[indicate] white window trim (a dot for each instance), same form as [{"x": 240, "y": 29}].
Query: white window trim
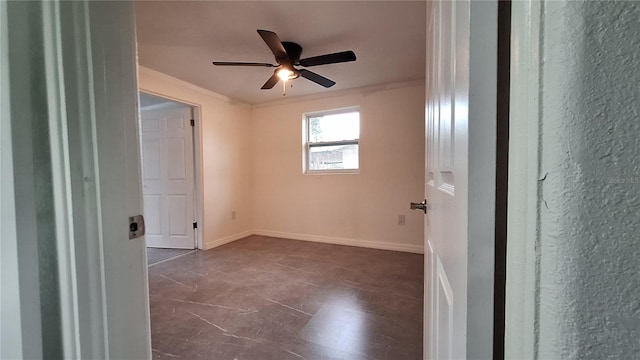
[{"x": 307, "y": 144}]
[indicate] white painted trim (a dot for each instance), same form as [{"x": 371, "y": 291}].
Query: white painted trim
[
  {"x": 61, "y": 180},
  {"x": 12, "y": 340},
  {"x": 416, "y": 249},
  {"x": 429, "y": 300},
  {"x": 481, "y": 187},
  {"x": 522, "y": 291},
  {"x": 83, "y": 151},
  {"x": 225, "y": 240},
  {"x": 96, "y": 267},
  {"x": 199, "y": 175},
  {"x": 21, "y": 113},
  {"x": 145, "y": 71}
]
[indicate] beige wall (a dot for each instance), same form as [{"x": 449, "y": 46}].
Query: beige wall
[
  {"x": 354, "y": 209},
  {"x": 226, "y": 155}
]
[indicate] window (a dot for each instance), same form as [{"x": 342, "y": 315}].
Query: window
[{"x": 332, "y": 141}]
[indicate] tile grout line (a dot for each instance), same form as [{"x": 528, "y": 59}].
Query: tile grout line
[{"x": 171, "y": 258}]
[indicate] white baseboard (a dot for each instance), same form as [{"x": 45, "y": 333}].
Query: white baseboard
[
  {"x": 225, "y": 240},
  {"x": 417, "y": 249}
]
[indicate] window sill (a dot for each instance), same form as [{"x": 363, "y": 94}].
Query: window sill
[{"x": 332, "y": 172}]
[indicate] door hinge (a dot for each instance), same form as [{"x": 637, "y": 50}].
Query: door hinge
[
  {"x": 193, "y": 122},
  {"x": 195, "y": 225}
]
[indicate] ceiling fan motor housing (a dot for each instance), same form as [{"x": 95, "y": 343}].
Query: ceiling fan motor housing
[{"x": 293, "y": 50}]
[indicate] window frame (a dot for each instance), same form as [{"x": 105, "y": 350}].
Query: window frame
[{"x": 308, "y": 144}]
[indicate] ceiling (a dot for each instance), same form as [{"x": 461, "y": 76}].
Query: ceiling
[{"x": 182, "y": 38}]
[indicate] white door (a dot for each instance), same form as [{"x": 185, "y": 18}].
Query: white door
[
  {"x": 168, "y": 179},
  {"x": 458, "y": 115}
]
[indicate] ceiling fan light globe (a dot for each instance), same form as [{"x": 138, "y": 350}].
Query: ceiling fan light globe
[{"x": 286, "y": 74}]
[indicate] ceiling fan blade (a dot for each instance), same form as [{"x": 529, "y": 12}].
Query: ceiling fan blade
[
  {"x": 234, "y": 63},
  {"x": 274, "y": 43},
  {"x": 273, "y": 80},
  {"x": 318, "y": 79},
  {"x": 339, "y": 57}
]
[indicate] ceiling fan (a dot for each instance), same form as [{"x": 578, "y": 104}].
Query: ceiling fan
[{"x": 288, "y": 56}]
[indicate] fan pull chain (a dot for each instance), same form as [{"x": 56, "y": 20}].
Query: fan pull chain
[{"x": 284, "y": 87}]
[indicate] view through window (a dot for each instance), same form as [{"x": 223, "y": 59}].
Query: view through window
[{"x": 333, "y": 141}]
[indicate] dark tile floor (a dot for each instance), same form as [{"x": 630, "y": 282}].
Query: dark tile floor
[
  {"x": 268, "y": 298},
  {"x": 156, "y": 255}
]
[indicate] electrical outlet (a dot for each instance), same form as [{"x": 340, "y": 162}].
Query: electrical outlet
[
  {"x": 233, "y": 215},
  {"x": 401, "y": 220}
]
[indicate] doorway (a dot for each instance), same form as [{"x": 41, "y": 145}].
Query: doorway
[{"x": 167, "y": 134}]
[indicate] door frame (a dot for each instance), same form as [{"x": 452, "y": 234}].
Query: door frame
[
  {"x": 197, "y": 160},
  {"x": 521, "y": 293}
]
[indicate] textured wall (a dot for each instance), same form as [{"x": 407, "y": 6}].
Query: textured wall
[{"x": 589, "y": 245}]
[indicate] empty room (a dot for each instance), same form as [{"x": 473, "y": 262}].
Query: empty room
[
  {"x": 319, "y": 179},
  {"x": 277, "y": 207}
]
